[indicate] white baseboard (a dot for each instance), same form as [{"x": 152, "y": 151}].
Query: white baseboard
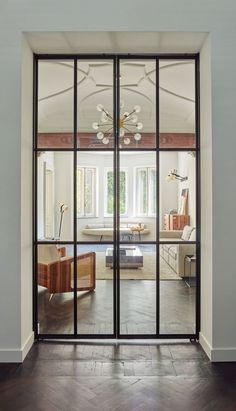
[
  {"x": 205, "y": 345},
  {"x": 17, "y": 354},
  {"x": 219, "y": 354}
]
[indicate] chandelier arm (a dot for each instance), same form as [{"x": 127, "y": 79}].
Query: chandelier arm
[
  {"x": 106, "y": 131},
  {"x": 130, "y": 114},
  {"x": 128, "y": 130},
  {"x": 105, "y": 124},
  {"x": 107, "y": 114},
  {"x": 130, "y": 124}
]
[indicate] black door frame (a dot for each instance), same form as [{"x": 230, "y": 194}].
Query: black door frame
[{"x": 116, "y": 58}]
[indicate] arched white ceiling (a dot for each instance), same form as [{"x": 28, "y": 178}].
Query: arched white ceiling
[{"x": 137, "y": 86}]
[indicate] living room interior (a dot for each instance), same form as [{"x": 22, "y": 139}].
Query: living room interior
[{"x": 156, "y": 199}]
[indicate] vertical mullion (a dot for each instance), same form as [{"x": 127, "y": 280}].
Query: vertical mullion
[
  {"x": 35, "y": 195},
  {"x": 75, "y": 196},
  {"x": 115, "y": 318},
  {"x": 157, "y": 202},
  {"x": 198, "y": 192},
  {"x": 117, "y": 128}
]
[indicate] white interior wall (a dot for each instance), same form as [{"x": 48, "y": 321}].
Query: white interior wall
[
  {"x": 168, "y": 190},
  {"x": 63, "y": 189},
  {"x": 46, "y": 158},
  {"x": 206, "y": 335},
  {"x": 187, "y": 167},
  {"x": 27, "y": 336}
]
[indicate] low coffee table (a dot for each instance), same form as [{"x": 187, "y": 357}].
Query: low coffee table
[{"x": 130, "y": 257}]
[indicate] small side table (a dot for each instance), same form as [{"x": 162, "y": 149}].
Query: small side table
[
  {"x": 191, "y": 260},
  {"x": 138, "y": 230}
]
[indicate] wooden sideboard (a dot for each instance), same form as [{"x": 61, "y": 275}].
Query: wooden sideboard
[{"x": 176, "y": 221}]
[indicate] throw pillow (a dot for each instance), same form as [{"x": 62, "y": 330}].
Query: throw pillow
[
  {"x": 186, "y": 233},
  {"x": 193, "y": 235}
]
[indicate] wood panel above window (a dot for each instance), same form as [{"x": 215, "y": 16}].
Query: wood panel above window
[{"x": 89, "y": 140}]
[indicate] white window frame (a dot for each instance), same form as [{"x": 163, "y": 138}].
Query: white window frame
[
  {"x": 94, "y": 212},
  {"x": 106, "y": 170},
  {"x": 149, "y": 212}
]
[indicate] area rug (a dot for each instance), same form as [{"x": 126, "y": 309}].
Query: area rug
[{"x": 147, "y": 272}]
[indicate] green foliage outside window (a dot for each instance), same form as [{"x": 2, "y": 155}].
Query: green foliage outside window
[{"x": 110, "y": 196}]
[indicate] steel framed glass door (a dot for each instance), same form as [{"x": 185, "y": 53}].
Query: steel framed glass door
[{"x": 116, "y": 204}]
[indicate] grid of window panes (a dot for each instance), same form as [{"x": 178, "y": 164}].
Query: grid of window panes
[{"x": 76, "y": 198}]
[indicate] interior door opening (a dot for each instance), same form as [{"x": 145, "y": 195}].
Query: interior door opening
[{"x": 116, "y": 196}]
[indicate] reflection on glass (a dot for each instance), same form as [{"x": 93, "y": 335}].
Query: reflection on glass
[
  {"x": 95, "y": 309},
  {"x": 95, "y": 104},
  {"x": 177, "y": 103},
  {"x": 177, "y": 192},
  {"x": 55, "y": 289},
  {"x": 177, "y": 288},
  {"x": 55, "y": 195},
  {"x": 55, "y": 103},
  {"x": 137, "y": 289},
  {"x": 137, "y": 104}
]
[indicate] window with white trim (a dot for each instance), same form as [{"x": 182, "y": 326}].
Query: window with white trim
[
  {"x": 109, "y": 192},
  {"x": 145, "y": 191},
  {"x": 87, "y": 191}
]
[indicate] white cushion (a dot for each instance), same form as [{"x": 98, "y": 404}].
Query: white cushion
[
  {"x": 48, "y": 253},
  {"x": 186, "y": 233},
  {"x": 193, "y": 235},
  {"x": 94, "y": 226}
]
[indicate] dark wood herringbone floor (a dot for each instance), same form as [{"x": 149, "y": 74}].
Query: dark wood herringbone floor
[{"x": 113, "y": 377}]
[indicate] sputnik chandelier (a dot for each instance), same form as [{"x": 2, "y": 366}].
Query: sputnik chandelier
[{"x": 128, "y": 125}]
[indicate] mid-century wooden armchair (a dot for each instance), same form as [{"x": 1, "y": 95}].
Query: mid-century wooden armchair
[{"x": 56, "y": 271}]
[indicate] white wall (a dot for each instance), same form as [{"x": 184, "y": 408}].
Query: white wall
[
  {"x": 168, "y": 190},
  {"x": 26, "y": 312},
  {"x": 63, "y": 166},
  {"x": 46, "y": 158},
  {"x": 216, "y": 17},
  {"x": 206, "y": 336},
  {"x": 187, "y": 167}
]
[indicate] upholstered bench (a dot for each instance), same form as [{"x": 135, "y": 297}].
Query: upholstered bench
[{"x": 106, "y": 230}]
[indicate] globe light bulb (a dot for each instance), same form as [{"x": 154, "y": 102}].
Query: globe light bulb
[
  {"x": 100, "y": 135},
  {"x": 95, "y": 126},
  {"x": 105, "y": 140},
  {"x": 134, "y": 119},
  {"x": 122, "y": 132},
  {"x": 137, "y": 136},
  {"x": 139, "y": 126},
  {"x": 126, "y": 140},
  {"x": 137, "y": 109},
  {"x": 100, "y": 107}
]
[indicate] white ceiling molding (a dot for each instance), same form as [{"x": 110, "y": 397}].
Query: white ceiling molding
[{"x": 137, "y": 86}]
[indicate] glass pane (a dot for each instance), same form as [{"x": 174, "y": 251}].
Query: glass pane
[
  {"x": 137, "y": 104},
  {"x": 177, "y": 193},
  {"x": 95, "y": 305},
  {"x": 137, "y": 289},
  {"x": 95, "y": 104},
  {"x": 55, "y": 103},
  {"x": 95, "y": 183},
  {"x": 55, "y": 195},
  {"x": 138, "y": 223},
  {"x": 177, "y": 103},
  {"x": 55, "y": 289},
  {"x": 177, "y": 288}
]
